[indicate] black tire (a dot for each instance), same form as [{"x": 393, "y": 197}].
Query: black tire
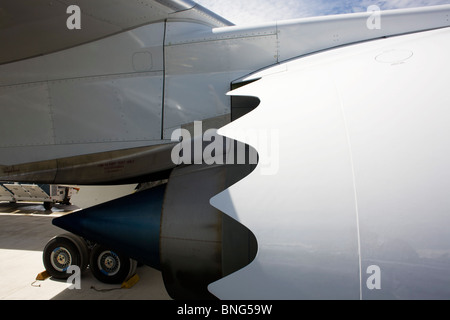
[
  {"x": 109, "y": 266},
  {"x": 48, "y": 205},
  {"x": 59, "y": 254},
  {"x": 82, "y": 247}
]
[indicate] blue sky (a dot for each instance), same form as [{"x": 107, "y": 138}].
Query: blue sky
[{"x": 256, "y": 11}]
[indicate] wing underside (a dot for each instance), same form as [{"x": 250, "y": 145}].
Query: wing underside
[{"x": 33, "y": 28}]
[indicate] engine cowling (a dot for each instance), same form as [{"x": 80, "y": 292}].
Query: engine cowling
[{"x": 173, "y": 228}]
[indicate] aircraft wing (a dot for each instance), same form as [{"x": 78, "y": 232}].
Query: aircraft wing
[
  {"x": 33, "y": 28},
  {"x": 353, "y": 156}
]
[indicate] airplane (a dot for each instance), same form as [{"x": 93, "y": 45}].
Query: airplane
[{"x": 297, "y": 159}]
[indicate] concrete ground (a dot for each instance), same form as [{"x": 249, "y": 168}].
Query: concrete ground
[{"x": 25, "y": 228}]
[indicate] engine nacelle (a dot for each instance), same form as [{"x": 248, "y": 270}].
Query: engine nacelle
[{"x": 173, "y": 228}]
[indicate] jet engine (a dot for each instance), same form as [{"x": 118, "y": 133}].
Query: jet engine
[{"x": 171, "y": 227}]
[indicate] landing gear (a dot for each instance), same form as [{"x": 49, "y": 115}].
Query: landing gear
[
  {"x": 108, "y": 266},
  {"x": 63, "y": 251},
  {"x": 68, "y": 249}
]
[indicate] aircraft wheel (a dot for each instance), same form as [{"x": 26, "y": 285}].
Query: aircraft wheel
[
  {"x": 63, "y": 251},
  {"x": 109, "y": 266}
]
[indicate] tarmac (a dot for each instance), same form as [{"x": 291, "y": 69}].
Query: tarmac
[{"x": 25, "y": 228}]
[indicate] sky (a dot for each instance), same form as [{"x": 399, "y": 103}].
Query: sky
[{"x": 242, "y": 12}]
